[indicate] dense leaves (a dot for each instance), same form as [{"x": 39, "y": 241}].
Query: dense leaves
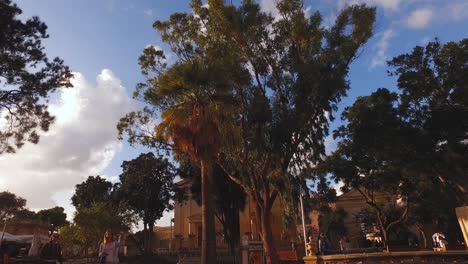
[
  {"x": 284, "y": 77},
  {"x": 27, "y": 78},
  {"x": 409, "y": 145},
  {"x": 93, "y": 190},
  {"x": 146, "y": 188}
]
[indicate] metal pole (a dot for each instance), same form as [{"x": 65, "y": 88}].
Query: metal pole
[
  {"x": 3, "y": 233},
  {"x": 303, "y": 223}
]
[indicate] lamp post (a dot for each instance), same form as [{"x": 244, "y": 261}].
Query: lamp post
[{"x": 303, "y": 222}]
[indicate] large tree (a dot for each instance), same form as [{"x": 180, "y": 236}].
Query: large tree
[
  {"x": 374, "y": 157},
  {"x": 193, "y": 100},
  {"x": 283, "y": 76},
  {"x": 27, "y": 78},
  {"x": 93, "y": 190},
  {"x": 10, "y": 204},
  {"x": 146, "y": 187},
  {"x": 299, "y": 74},
  {"x": 433, "y": 81}
]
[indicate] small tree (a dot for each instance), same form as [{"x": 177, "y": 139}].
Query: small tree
[
  {"x": 147, "y": 189},
  {"x": 27, "y": 78},
  {"x": 94, "y": 220}
]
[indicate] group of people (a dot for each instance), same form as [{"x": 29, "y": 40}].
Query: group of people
[{"x": 108, "y": 250}]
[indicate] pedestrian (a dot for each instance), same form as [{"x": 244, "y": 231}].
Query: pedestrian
[
  {"x": 109, "y": 249},
  {"x": 52, "y": 252},
  {"x": 324, "y": 244}
]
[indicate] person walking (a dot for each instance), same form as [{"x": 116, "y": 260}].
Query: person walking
[
  {"x": 109, "y": 249},
  {"x": 324, "y": 244}
]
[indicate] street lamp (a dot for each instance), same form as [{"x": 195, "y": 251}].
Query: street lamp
[{"x": 303, "y": 222}]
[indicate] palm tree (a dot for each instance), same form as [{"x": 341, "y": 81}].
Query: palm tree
[{"x": 195, "y": 121}]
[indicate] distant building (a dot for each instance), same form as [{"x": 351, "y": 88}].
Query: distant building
[{"x": 187, "y": 229}]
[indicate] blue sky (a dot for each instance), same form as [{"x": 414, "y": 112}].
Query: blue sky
[{"x": 102, "y": 40}]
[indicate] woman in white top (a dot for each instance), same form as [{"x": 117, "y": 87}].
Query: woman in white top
[{"x": 109, "y": 248}]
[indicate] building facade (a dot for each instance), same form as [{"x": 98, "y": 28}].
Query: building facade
[{"x": 187, "y": 228}]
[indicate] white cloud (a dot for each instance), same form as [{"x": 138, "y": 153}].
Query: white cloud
[
  {"x": 382, "y": 45},
  {"x": 419, "y": 18},
  {"x": 308, "y": 11},
  {"x": 388, "y": 4},
  {"x": 330, "y": 144},
  {"x": 455, "y": 11},
  {"x": 148, "y": 12},
  {"x": 425, "y": 40},
  {"x": 269, "y": 6},
  {"x": 81, "y": 142}
]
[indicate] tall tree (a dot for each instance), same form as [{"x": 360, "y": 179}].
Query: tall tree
[
  {"x": 193, "y": 98},
  {"x": 299, "y": 74},
  {"x": 434, "y": 101},
  {"x": 55, "y": 217},
  {"x": 93, "y": 190},
  {"x": 146, "y": 186},
  {"x": 27, "y": 78},
  {"x": 10, "y": 204},
  {"x": 283, "y": 76},
  {"x": 374, "y": 157},
  {"x": 400, "y": 146}
]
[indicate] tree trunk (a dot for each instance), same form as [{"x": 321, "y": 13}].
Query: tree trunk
[
  {"x": 150, "y": 238},
  {"x": 208, "y": 254},
  {"x": 267, "y": 238},
  {"x": 145, "y": 238}
]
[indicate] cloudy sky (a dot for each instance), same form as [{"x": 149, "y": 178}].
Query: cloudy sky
[{"x": 101, "y": 41}]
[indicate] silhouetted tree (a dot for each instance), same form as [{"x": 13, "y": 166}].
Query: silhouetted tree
[
  {"x": 27, "y": 78},
  {"x": 93, "y": 190},
  {"x": 10, "y": 204}
]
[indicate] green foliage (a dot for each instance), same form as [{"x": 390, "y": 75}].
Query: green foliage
[
  {"x": 72, "y": 240},
  {"x": 247, "y": 92},
  {"x": 407, "y": 145},
  {"x": 146, "y": 185},
  {"x": 93, "y": 221},
  {"x": 27, "y": 77},
  {"x": 146, "y": 189},
  {"x": 10, "y": 204},
  {"x": 93, "y": 190}
]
